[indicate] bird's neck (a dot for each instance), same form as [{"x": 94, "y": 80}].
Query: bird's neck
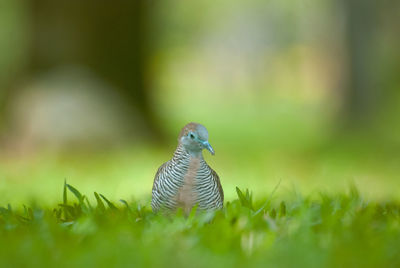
[{"x": 182, "y": 153}]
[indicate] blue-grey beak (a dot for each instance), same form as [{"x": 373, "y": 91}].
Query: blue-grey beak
[{"x": 207, "y": 145}]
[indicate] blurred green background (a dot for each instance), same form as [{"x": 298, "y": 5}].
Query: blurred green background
[{"x": 96, "y": 92}]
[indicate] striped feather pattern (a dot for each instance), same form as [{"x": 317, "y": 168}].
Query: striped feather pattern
[{"x": 175, "y": 186}]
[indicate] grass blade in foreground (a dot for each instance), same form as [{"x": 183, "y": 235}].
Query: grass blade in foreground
[{"x": 332, "y": 230}]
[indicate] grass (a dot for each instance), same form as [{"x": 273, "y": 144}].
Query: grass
[
  {"x": 127, "y": 172},
  {"x": 301, "y": 231}
]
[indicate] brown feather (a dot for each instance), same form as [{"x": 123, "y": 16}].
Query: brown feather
[
  {"x": 184, "y": 194},
  {"x": 186, "y": 197},
  {"x": 185, "y": 130}
]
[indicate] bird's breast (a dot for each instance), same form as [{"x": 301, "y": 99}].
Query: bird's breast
[{"x": 186, "y": 196}]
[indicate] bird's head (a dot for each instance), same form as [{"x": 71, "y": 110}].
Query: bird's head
[{"x": 194, "y": 137}]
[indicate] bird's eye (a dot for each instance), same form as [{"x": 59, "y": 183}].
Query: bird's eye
[{"x": 191, "y": 135}]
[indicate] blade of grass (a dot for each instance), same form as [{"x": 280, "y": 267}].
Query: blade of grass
[
  {"x": 75, "y": 192},
  {"x": 100, "y": 204},
  {"x": 245, "y": 200},
  {"x": 110, "y": 205},
  {"x": 65, "y": 192},
  {"x": 268, "y": 201},
  {"x": 125, "y": 203},
  {"x": 65, "y": 200}
]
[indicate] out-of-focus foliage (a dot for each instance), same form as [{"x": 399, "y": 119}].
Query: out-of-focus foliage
[
  {"x": 266, "y": 79},
  {"x": 304, "y": 93},
  {"x": 325, "y": 231},
  {"x": 283, "y": 66}
]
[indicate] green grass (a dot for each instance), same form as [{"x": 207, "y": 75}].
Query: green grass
[
  {"x": 129, "y": 172},
  {"x": 300, "y": 231}
]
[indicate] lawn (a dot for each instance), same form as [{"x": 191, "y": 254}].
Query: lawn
[
  {"x": 324, "y": 229},
  {"x": 314, "y": 201}
]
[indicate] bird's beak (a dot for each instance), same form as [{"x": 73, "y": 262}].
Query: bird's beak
[{"x": 207, "y": 145}]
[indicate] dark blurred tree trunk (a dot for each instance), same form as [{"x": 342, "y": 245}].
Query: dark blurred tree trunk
[
  {"x": 361, "y": 83},
  {"x": 109, "y": 37}
]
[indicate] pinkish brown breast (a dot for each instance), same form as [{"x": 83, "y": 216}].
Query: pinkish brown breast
[{"x": 186, "y": 196}]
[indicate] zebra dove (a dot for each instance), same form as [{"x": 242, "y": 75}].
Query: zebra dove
[{"x": 186, "y": 180}]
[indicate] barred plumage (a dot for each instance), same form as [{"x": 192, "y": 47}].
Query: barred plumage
[{"x": 186, "y": 179}]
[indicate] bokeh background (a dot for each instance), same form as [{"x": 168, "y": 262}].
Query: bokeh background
[{"x": 301, "y": 92}]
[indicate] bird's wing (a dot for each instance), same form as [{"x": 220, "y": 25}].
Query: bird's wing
[
  {"x": 218, "y": 182},
  {"x": 157, "y": 197},
  {"x": 157, "y": 176}
]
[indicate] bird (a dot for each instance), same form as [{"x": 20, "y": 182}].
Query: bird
[{"x": 187, "y": 180}]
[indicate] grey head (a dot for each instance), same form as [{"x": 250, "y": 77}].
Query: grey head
[{"x": 194, "y": 138}]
